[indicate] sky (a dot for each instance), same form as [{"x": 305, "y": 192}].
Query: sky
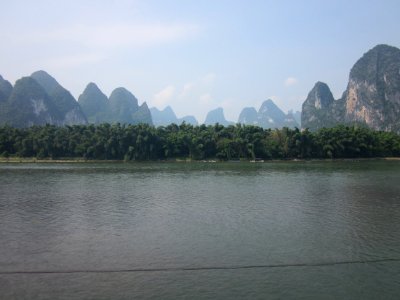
[{"x": 195, "y": 55}]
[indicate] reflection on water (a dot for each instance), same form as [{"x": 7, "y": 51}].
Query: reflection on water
[{"x": 56, "y": 217}]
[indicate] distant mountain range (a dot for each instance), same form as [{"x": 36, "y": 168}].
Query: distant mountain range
[
  {"x": 167, "y": 116},
  {"x": 39, "y": 99},
  {"x": 268, "y": 116},
  {"x": 372, "y": 97},
  {"x": 217, "y": 116},
  {"x": 122, "y": 106}
]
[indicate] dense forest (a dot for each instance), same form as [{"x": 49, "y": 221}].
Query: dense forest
[{"x": 145, "y": 142}]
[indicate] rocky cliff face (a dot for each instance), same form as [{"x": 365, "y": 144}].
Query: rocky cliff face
[
  {"x": 69, "y": 109},
  {"x": 317, "y": 109},
  {"x": 373, "y": 93},
  {"x": 29, "y": 105},
  {"x": 372, "y": 96}
]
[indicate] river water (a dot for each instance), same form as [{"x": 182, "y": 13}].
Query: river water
[{"x": 274, "y": 230}]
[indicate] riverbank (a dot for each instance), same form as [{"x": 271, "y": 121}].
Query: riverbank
[{"x": 178, "y": 160}]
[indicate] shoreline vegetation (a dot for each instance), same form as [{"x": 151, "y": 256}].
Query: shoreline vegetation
[{"x": 188, "y": 143}]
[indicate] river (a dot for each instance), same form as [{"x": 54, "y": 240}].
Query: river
[{"x": 273, "y": 230}]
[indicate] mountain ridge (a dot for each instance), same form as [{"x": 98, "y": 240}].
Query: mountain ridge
[
  {"x": 66, "y": 104},
  {"x": 269, "y": 115},
  {"x": 167, "y": 116},
  {"x": 372, "y": 96}
]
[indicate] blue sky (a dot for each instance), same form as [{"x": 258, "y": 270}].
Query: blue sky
[{"x": 195, "y": 55}]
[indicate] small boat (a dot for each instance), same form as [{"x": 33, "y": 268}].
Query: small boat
[{"x": 257, "y": 160}]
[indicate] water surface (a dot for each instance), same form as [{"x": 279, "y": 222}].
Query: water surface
[{"x": 291, "y": 230}]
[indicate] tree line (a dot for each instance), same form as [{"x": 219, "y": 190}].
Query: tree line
[{"x": 145, "y": 142}]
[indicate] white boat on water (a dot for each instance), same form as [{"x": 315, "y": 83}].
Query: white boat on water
[{"x": 257, "y": 161}]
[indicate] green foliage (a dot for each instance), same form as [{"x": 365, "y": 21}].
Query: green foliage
[{"x": 145, "y": 142}]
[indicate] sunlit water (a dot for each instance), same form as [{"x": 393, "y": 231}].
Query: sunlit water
[{"x": 185, "y": 230}]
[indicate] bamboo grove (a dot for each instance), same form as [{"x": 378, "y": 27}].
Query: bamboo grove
[{"x": 144, "y": 142}]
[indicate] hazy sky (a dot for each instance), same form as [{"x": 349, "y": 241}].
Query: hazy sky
[{"x": 195, "y": 55}]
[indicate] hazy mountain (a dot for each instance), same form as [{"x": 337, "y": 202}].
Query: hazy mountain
[
  {"x": 372, "y": 96},
  {"x": 5, "y": 89},
  {"x": 123, "y": 105},
  {"x": 95, "y": 104},
  {"x": 248, "y": 116},
  {"x": 217, "y": 116},
  {"x": 189, "y": 120},
  {"x": 5, "y": 92},
  {"x": 290, "y": 121},
  {"x": 163, "y": 117},
  {"x": 69, "y": 109},
  {"x": 142, "y": 115},
  {"x": 268, "y": 116},
  {"x": 167, "y": 116},
  {"x": 296, "y": 116}
]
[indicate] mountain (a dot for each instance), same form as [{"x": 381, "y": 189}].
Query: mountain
[
  {"x": 217, "y": 116},
  {"x": 290, "y": 121},
  {"x": 28, "y": 105},
  {"x": 248, "y": 116},
  {"x": 373, "y": 93},
  {"x": 296, "y": 115},
  {"x": 122, "y": 107},
  {"x": 94, "y": 104},
  {"x": 163, "y": 117},
  {"x": 142, "y": 115},
  {"x": 268, "y": 116},
  {"x": 372, "y": 97},
  {"x": 5, "y": 89},
  {"x": 40, "y": 99},
  {"x": 167, "y": 116},
  {"x": 69, "y": 109},
  {"x": 188, "y": 120},
  {"x": 317, "y": 109},
  {"x": 123, "y": 104}
]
